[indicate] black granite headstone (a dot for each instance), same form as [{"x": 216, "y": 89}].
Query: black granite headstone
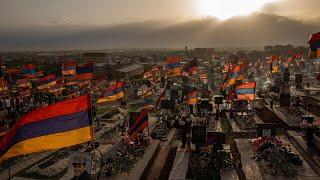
[
  {"x": 266, "y": 130},
  {"x": 216, "y": 137},
  {"x": 199, "y": 135},
  {"x": 285, "y": 100},
  {"x": 218, "y": 99}
]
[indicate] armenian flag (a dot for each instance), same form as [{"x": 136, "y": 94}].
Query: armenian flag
[
  {"x": 172, "y": 62},
  {"x": 140, "y": 123},
  {"x": 173, "y": 66},
  {"x": 192, "y": 97},
  {"x": 28, "y": 70},
  {"x": 3, "y": 85},
  {"x": 58, "y": 88},
  {"x": 234, "y": 75},
  {"x": 47, "y": 82},
  {"x": 85, "y": 72},
  {"x": 69, "y": 68},
  {"x": 23, "y": 83},
  {"x": 113, "y": 93},
  {"x": 59, "y": 125},
  {"x": 161, "y": 97},
  {"x": 246, "y": 91},
  {"x": 13, "y": 71},
  {"x": 70, "y": 80},
  {"x": 192, "y": 66}
]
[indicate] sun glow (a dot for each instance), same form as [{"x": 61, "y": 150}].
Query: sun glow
[{"x": 224, "y": 9}]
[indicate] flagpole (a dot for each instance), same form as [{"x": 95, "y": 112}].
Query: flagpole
[
  {"x": 148, "y": 127},
  {"x": 92, "y": 120}
]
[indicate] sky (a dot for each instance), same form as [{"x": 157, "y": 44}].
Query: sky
[{"x": 99, "y": 24}]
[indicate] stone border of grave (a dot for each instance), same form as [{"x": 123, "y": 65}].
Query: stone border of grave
[
  {"x": 250, "y": 169},
  {"x": 141, "y": 167}
]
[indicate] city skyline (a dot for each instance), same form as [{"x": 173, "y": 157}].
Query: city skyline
[{"x": 45, "y": 25}]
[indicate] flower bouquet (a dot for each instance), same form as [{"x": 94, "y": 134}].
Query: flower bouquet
[
  {"x": 310, "y": 127},
  {"x": 306, "y": 125},
  {"x": 274, "y": 158}
]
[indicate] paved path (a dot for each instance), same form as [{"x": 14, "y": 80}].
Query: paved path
[{"x": 180, "y": 166}]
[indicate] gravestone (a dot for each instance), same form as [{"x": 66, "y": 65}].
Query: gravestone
[
  {"x": 216, "y": 137},
  {"x": 298, "y": 81},
  {"x": 167, "y": 104},
  {"x": 285, "y": 100},
  {"x": 266, "y": 130},
  {"x": 218, "y": 99},
  {"x": 199, "y": 135}
]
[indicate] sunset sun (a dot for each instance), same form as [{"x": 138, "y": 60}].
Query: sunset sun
[{"x": 229, "y": 8}]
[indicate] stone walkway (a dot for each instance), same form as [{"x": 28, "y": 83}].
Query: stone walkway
[{"x": 180, "y": 166}]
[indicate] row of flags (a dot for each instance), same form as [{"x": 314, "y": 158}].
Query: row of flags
[{"x": 72, "y": 74}]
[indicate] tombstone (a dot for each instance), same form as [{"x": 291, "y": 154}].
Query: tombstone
[
  {"x": 216, "y": 137},
  {"x": 309, "y": 118},
  {"x": 204, "y": 106},
  {"x": 298, "y": 81},
  {"x": 266, "y": 130},
  {"x": 285, "y": 100},
  {"x": 286, "y": 76},
  {"x": 199, "y": 135},
  {"x": 218, "y": 99},
  {"x": 167, "y": 104}
]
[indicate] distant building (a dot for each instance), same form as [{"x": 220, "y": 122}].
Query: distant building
[
  {"x": 203, "y": 52},
  {"x": 131, "y": 71},
  {"x": 278, "y": 48},
  {"x": 268, "y": 48},
  {"x": 97, "y": 57}
]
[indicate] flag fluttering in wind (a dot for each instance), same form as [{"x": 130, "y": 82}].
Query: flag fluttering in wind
[
  {"x": 192, "y": 66},
  {"x": 160, "y": 98},
  {"x": 114, "y": 92},
  {"x": 153, "y": 75},
  {"x": 173, "y": 66},
  {"x": 24, "y": 83},
  {"x": 246, "y": 91},
  {"x": 314, "y": 42},
  {"x": 3, "y": 85},
  {"x": 234, "y": 75},
  {"x": 140, "y": 123},
  {"x": 59, "y": 125},
  {"x": 192, "y": 97},
  {"x": 28, "y": 70},
  {"x": 69, "y": 68},
  {"x": 85, "y": 72},
  {"x": 47, "y": 82}
]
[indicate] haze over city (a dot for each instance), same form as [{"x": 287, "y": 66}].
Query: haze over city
[{"x": 80, "y": 24}]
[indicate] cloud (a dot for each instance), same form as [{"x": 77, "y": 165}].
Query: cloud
[
  {"x": 255, "y": 30},
  {"x": 299, "y": 9}
]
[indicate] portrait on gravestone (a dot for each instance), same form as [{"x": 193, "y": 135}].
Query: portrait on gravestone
[{"x": 80, "y": 165}]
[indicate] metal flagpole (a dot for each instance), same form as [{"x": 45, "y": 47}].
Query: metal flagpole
[{"x": 92, "y": 130}]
